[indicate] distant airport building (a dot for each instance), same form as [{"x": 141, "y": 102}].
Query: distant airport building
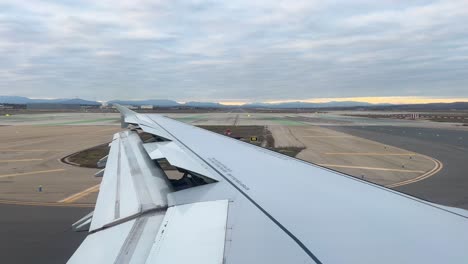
[
  {"x": 48, "y": 106},
  {"x": 12, "y": 106},
  {"x": 58, "y": 106}
]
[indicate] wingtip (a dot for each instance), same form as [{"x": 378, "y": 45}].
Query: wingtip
[
  {"x": 124, "y": 110},
  {"x": 126, "y": 115}
]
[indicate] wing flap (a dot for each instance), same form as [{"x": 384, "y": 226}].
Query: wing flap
[
  {"x": 188, "y": 228},
  {"x": 172, "y": 150},
  {"x": 180, "y": 158},
  {"x": 159, "y": 237},
  {"x": 102, "y": 247},
  {"x": 153, "y": 150},
  {"x": 132, "y": 183}
]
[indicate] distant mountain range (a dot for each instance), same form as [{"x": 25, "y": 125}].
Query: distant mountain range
[
  {"x": 288, "y": 105},
  {"x": 307, "y": 105},
  {"x": 165, "y": 103},
  {"x": 170, "y": 103},
  {"x": 25, "y": 100},
  {"x": 155, "y": 102}
]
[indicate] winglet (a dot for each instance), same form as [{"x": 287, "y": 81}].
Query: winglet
[{"x": 127, "y": 116}]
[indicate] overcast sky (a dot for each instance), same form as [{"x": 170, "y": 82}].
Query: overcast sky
[{"x": 233, "y": 50}]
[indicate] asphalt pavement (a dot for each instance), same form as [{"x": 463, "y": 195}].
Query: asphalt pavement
[
  {"x": 447, "y": 187},
  {"x": 39, "y": 234}
]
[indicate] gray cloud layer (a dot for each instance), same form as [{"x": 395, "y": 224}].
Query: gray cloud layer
[{"x": 240, "y": 50}]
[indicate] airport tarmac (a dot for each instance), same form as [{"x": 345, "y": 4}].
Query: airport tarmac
[
  {"x": 32, "y": 150},
  {"x": 30, "y": 161},
  {"x": 32, "y": 147},
  {"x": 299, "y": 119},
  {"x": 449, "y": 186},
  {"x": 39, "y": 234},
  {"x": 61, "y": 119},
  {"x": 336, "y": 118},
  {"x": 369, "y": 160},
  {"x": 37, "y": 225}
]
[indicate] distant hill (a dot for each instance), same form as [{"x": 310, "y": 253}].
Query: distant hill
[
  {"x": 204, "y": 104},
  {"x": 306, "y": 105},
  {"x": 26, "y": 100},
  {"x": 154, "y": 102},
  {"x": 74, "y": 101},
  {"x": 165, "y": 103},
  {"x": 14, "y": 100}
]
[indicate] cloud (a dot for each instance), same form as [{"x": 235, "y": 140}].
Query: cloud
[
  {"x": 423, "y": 16},
  {"x": 239, "y": 50},
  {"x": 209, "y": 62},
  {"x": 107, "y": 53}
]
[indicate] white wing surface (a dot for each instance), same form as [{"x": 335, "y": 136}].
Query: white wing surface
[{"x": 243, "y": 204}]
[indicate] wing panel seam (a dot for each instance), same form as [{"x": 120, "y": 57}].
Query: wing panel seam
[{"x": 117, "y": 193}]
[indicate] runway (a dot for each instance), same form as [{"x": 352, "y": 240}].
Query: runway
[{"x": 449, "y": 186}]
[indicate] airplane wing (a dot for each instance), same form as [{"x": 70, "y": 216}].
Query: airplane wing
[{"x": 238, "y": 203}]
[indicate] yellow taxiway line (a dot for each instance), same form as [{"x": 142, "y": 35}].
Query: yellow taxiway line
[
  {"x": 368, "y": 168},
  {"x": 76, "y": 196},
  {"x": 370, "y": 154},
  {"x": 437, "y": 167},
  {"x": 326, "y": 136},
  {"x": 30, "y": 173},
  {"x": 32, "y": 203},
  {"x": 19, "y": 160},
  {"x": 29, "y": 150}
]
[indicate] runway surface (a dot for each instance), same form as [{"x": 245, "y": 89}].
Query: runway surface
[
  {"x": 38, "y": 234},
  {"x": 447, "y": 187}
]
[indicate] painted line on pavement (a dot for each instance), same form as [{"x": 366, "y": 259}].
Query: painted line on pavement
[
  {"x": 80, "y": 195},
  {"x": 368, "y": 168},
  {"x": 327, "y": 136},
  {"x": 19, "y": 160},
  {"x": 438, "y": 166},
  {"x": 370, "y": 154},
  {"x": 32, "y": 203},
  {"x": 30, "y": 173},
  {"x": 29, "y": 150}
]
